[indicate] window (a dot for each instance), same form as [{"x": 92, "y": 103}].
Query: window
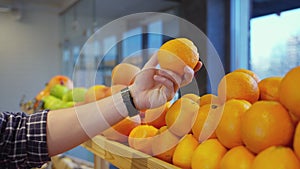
[
  {"x": 155, "y": 39},
  {"x": 110, "y": 51},
  {"x": 275, "y": 43},
  {"x": 107, "y": 60},
  {"x": 132, "y": 42}
]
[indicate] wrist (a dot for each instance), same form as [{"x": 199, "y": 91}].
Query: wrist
[
  {"x": 119, "y": 104},
  {"x": 128, "y": 100},
  {"x": 133, "y": 96}
]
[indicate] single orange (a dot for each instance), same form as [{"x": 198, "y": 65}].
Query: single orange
[
  {"x": 249, "y": 72},
  {"x": 237, "y": 158},
  {"x": 238, "y": 85},
  {"x": 184, "y": 150},
  {"x": 164, "y": 144},
  {"x": 141, "y": 138},
  {"x": 55, "y": 80},
  {"x": 276, "y": 157},
  {"x": 42, "y": 94},
  {"x": 208, "y": 154},
  {"x": 59, "y": 79},
  {"x": 192, "y": 96},
  {"x": 265, "y": 124},
  {"x": 296, "y": 143},
  {"x": 269, "y": 87},
  {"x": 209, "y": 99},
  {"x": 156, "y": 116},
  {"x": 181, "y": 116},
  {"x": 123, "y": 74},
  {"x": 120, "y": 131},
  {"x": 229, "y": 129},
  {"x": 175, "y": 54},
  {"x": 202, "y": 122},
  {"x": 289, "y": 93},
  {"x": 96, "y": 92}
]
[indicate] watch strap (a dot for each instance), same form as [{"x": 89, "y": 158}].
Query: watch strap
[{"x": 128, "y": 101}]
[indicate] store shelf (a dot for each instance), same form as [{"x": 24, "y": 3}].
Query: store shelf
[{"x": 122, "y": 156}]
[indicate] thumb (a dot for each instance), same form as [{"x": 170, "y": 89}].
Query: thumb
[
  {"x": 187, "y": 76},
  {"x": 152, "y": 62}
]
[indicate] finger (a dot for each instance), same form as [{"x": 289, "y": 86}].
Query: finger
[
  {"x": 153, "y": 62},
  {"x": 144, "y": 79},
  {"x": 198, "y": 66},
  {"x": 169, "y": 93},
  {"x": 171, "y": 76},
  {"x": 188, "y": 76},
  {"x": 157, "y": 98},
  {"x": 164, "y": 81}
]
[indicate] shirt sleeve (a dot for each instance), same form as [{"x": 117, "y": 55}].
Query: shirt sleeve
[{"x": 23, "y": 141}]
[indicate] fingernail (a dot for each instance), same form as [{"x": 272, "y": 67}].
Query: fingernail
[{"x": 187, "y": 69}]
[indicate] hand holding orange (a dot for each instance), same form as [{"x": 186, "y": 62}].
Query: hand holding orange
[{"x": 177, "y": 53}]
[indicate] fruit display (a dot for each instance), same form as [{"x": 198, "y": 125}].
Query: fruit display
[
  {"x": 60, "y": 93},
  {"x": 250, "y": 123},
  {"x": 256, "y": 129},
  {"x": 50, "y": 97}
]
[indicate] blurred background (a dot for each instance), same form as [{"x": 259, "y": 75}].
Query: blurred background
[{"x": 43, "y": 38}]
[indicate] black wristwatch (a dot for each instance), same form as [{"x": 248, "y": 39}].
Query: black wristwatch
[{"x": 128, "y": 101}]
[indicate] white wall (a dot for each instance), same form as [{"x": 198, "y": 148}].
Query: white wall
[{"x": 29, "y": 54}]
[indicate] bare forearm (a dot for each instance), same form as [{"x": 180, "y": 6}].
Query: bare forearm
[{"x": 68, "y": 128}]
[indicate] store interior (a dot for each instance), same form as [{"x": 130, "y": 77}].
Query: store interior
[{"x": 41, "y": 39}]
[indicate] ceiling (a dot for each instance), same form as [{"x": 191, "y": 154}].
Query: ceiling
[
  {"x": 52, "y": 3},
  {"x": 109, "y": 8},
  {"x": 265, "y": 7},
  {"x": 117, "y": 8}
]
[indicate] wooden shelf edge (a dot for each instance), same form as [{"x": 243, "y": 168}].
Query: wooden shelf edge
[{"x": 122, "y": 156}]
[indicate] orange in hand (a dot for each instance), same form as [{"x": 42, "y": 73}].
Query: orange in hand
[{"x": 175, "y": 54}]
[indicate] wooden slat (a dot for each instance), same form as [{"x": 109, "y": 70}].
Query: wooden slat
[{"x": 122, "y": 156}]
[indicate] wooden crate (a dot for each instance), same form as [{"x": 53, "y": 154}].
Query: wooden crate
[{"x": 122, "y": 156}]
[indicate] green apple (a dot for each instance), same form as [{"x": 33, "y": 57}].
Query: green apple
[
  {"x": 68, "y": 104},
  {"x": 57, "y": 105},
  {"x": 49, "y": 101},
  {"x": 76, "y": 94},
  {"x": 58, "y": 91}
]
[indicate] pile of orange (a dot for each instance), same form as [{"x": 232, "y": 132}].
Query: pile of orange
[{"x": 249, "y": 123}]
